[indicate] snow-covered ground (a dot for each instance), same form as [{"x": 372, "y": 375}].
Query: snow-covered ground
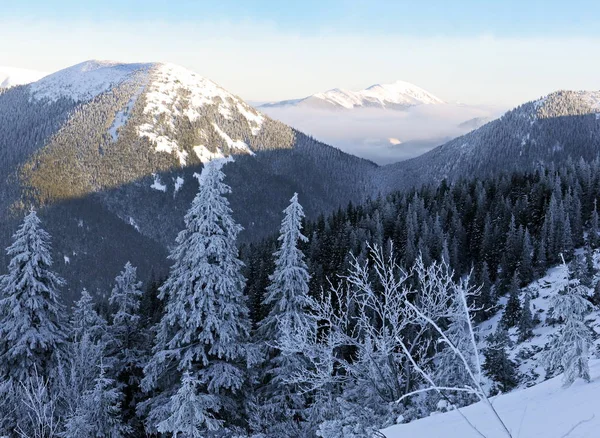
[
  {"x": 546, "y": 410},
  {"x": 539, "y": 407},
  {"x": 83, "y": 82}
]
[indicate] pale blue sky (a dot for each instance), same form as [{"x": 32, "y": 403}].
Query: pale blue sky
[{"x": 496, "y": 52}]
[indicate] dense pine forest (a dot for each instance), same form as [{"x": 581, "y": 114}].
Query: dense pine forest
[{"x": 333, "y": 328}]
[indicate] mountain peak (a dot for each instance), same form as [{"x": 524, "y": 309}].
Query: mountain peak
[
  {"x": 86, "y": 80},
  {"x": 396, "y": 95}
]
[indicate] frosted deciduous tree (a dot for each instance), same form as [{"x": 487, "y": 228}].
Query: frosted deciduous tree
[
  {"x": 30, "y": 313},
  {"x": 205, "y": 326}
]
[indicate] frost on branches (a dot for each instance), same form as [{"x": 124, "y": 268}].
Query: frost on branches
[
  {"x": 569, "y": 349},
  {"x": 205, "y": 326},
  {"x": 281, "y": 405},
  {"x": 391, "y": 320},
  {"x": 31, "y": 332}
]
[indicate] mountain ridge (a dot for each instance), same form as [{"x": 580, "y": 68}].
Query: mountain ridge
[{"x": 395, "y": 95}]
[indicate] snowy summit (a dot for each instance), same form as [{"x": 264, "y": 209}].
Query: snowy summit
[{"x": 397, "y": 95}]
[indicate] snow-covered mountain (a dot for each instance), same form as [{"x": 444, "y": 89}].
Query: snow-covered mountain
[
  {"x": 125, "y": 141},
  {"x": 397, "y": 95},
  {"x": 11, "y": 76},
  {"x": 552, "y": 129}
]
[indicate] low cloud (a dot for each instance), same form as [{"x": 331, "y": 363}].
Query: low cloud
[{"x": 384, "y": 136}]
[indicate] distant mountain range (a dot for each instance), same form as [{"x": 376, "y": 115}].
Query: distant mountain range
[
  {"x": 108, "y": 152},
  {"x": 398, "y": 95},
  {"x": 11, "y": 76}
]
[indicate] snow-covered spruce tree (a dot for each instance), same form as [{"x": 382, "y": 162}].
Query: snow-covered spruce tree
[
  {"x": 190, "y": 412},
  {"x": 593, "y": 237},
  {"x": 569, "y": 348},
  {"x": 99, "y": 412},
  {"x": 281, "y": 403},
  {"x": 450, "y": 371},
  {"x": 204, "y": 329},
  {"x": 525, "y": 325},
  {"x": 497, "y": 364},
  {"x": 78, "y": 366},
  {"x": 512, "y": 310},
  {"x": 128, "y": 341},
  {"x": 30, "y": 314},
  {"x": 588, "y": 267},
  {"x": 86, "y": 321}
]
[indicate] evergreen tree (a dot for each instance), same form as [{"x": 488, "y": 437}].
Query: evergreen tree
[
  {"x": 450, "y": 370},
  {"x": 589, "y": 270},
  {"x": 205, "y": 326},
  {"x": 569, "y": 349},
  {"x": 30, "y": 313},
  {"x": 486, "y": 301},
  {"x": 124, "y": 329},
  {"x": 526, "y": 319},
  {"x": 99, "y": 414},
  {"x": 86, "y": 321},
  {"x": 128, "y": 341},
  {"x": 287, "y": 299},
  {"x": 526, "y": 269},
  {"x": 596, "y": 295},
  {"x": 190, "y": 412},
  {"x": 512, "y": 311},
  {"x": 594, "y": 238},
  {"x": 497, "y": 364}
]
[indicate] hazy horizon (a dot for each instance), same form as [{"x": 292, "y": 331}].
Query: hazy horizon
[{"x": 464, "y": 51}]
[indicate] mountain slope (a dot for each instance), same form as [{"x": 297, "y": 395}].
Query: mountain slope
[
  {"x": 11, "y": 76},
  {"x": 539, "y": 407},
  {"x": 124, "y": 140},
  {"x": 397, "y": 95},
  {"x": 563, "y": 125},
  {"x": 546, "y": 410}
]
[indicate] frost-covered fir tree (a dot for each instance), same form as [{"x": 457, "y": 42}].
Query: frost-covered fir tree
[
  {"x": 99, "y": 413},
  {"x": 128, "y": 340},
  {"x": 31, "y": 332},
  {"x": 190, "y": 412},
  {"x": 287, "y": 299},
  {"x": 526, "y": 324},
  {"x": 125, "y": 325},
  {"x": 83, "y": 356},
  {"x": 205, "y": 326},
  {"x": 86, "y": 321},
  {"x": 569, "y": 348},
  {"x": 450, "y": 370},
  {"x": 593, "y": 237}
]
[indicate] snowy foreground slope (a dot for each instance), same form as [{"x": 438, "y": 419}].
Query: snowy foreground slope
[
  {"x": 539, "y": 407},
  {"x": 546, "y": 410}
]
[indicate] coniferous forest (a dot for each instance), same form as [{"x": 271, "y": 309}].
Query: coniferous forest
[{"x": 336, "y": 327}]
